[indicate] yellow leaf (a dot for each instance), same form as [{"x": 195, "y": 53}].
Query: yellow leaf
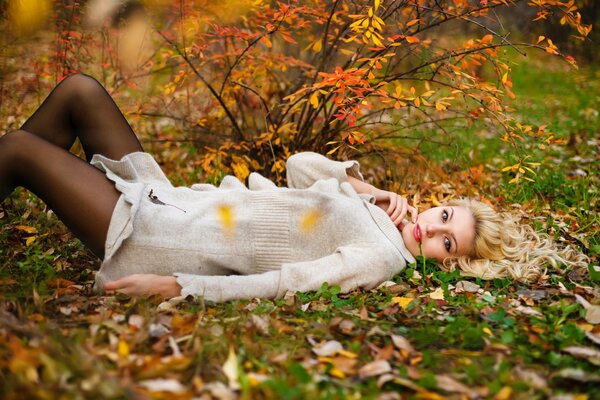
[
  {"x": 25, "y": 228},
  {"x": 123, "y": 349},
  {"x": 403, "y": 302},
  {"x": 347, "y": 353},
  {"x": 487, "y": 330},
  {"x": 330, "y": 152},
  {"x": 540, "y": 38},
  {"x": 505, "y": 78},
  {"x": 225, "y": 214},
  {"x": 438, "y": 294},
  {"x": 314, "y": 99},
  {"x": 434, "y": 200},
  {"x": 377, "y": 4},
  {"x": 504, "y": 393},
  {"x": 337, "y": 373},
  {"x": 317, "y": 46},
  {"x": 30, "y": 240},
  {"x": 309, "y": 220}
]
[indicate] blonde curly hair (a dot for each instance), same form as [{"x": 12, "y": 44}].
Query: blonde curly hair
[{"x": 505, "y": 248}]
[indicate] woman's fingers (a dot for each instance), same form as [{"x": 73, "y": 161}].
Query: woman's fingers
[
  {"x": 413, "y": 213},
  {"x": 400, "y": 212},
  {"x": 393, "y": 198}
]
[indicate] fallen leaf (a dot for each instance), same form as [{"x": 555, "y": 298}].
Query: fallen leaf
[
  {"x": 328, "y": 348},
  {"x": 402, "y": 343},
  {"x": 163, "y": 385},
  {"x": 231, "y": 370},
  {"x": 261, "y": 323},
  {"x": 590, "y": 354},
  {"x": 123, "y": 349},
  {"x": 592, "y": 311},
  {"x": 531, "y": 378},
  {"x": 577, "y": 375},
  {"x": 438, "y": 294},
  {"x": 504, "y": 393},
  {"x": 374, "y": 368},
  {"x": 28, "y": 229},
  {"x": 402, "y": 301},
  {"x": 466, "y": 286},
  {"x": 593, "y": 337},
  {"x": 451, "y": 385}
]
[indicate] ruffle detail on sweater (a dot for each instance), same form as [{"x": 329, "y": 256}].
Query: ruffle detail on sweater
[{"x": 130, "y": 174}]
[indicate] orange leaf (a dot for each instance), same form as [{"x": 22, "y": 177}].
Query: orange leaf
[
  {"x": 487, "y": 39},
  {"x": 25, "y": 228},
  {"x": 412, "y": 39}
]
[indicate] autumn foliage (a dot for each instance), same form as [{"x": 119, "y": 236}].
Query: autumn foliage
[{"x": 249, "y": 83}]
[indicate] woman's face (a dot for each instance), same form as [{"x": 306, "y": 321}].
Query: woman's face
[{"x": 447, "y": 231}]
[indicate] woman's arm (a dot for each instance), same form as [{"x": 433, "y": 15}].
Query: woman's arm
[
  {"x": 392, "y": 203},
  {"x": 350, "y": 267}
]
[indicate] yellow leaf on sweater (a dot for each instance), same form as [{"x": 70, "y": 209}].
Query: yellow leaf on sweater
[
  {"x": 226, "y": 218},
  {"x": 310, "y": 220}
]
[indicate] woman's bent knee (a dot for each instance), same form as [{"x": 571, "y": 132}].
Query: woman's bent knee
[{"x": 81, "y": 87}]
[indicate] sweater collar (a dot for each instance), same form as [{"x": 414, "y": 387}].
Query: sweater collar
[{"x": 386, "y": 225}]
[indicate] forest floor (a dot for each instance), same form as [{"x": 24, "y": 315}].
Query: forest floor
[{"x": 425, "y": 335}]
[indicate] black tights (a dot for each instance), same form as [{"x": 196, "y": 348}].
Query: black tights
[{"x": 37, "y": 156}]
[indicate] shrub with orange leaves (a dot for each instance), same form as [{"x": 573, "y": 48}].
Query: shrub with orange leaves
[{"x": 256, "y": 81}]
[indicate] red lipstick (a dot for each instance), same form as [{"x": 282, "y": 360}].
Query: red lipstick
[{"x": 417, "y": 233}]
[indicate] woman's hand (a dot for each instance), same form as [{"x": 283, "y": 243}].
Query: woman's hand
[
  {"x": 392, "y": 203},
  {"x": 145, "y": 285},
  {"x": 395, "y": 206}
]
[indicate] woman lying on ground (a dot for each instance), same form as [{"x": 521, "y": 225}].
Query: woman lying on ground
[{"x": 236, "y": 242}]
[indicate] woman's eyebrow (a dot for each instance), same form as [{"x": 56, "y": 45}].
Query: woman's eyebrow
[{"x": 452, "y": 234}]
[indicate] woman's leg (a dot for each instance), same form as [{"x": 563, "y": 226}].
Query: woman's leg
[
  {"x": 79, "y": 107},
  {"x": 80, "y": 194}
]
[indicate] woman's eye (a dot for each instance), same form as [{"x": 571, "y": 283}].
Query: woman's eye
[
  {"x": 444, "y": 215},
  {"x": 447, "y": 244}
]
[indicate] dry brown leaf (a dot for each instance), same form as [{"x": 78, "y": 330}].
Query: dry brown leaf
[
  {"x": 231, "y": 370},
  {"x": 328, "y": 348},
  {"x": 466, "y": 286},
  {"x": 531, "y": 378},
  {"x": 576, "y": 375},
  {"x": 374, "y": 368},
  {"x": 590, "y": 354},
  {"x": 163, "y": 385},
  {"x": 451, "y": 385},
  {"x": 592, "y": 311},
  {"x": 402, "y": 343},
  {"x": 593, "y": 337},
  {"x": 261, "y": 323}
]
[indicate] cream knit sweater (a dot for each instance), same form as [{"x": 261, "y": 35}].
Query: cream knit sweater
[{"x": 234, "y": 242}]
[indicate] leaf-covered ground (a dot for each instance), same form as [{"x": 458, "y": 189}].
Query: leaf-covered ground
[{"x": 426, "y": 335}]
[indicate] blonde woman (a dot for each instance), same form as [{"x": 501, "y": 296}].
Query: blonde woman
[{"x": 235, "y": 241}]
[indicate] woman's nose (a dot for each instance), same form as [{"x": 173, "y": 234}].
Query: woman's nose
[{"x": 432, "y": 229}]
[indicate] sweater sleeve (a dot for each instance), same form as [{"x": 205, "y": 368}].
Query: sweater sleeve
[
  {"x": 349, "y": 267},
  {"x": 304, "y": 169}
]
